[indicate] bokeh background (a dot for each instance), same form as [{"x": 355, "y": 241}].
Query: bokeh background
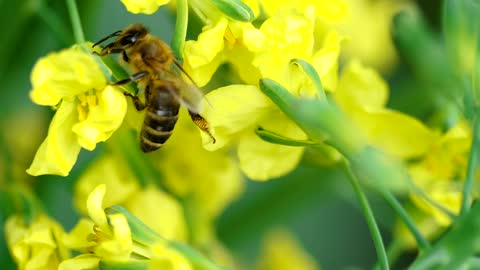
[{"x": 318, "y": 205}]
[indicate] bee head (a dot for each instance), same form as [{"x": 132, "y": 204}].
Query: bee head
[{"x": 132, "y": 34}]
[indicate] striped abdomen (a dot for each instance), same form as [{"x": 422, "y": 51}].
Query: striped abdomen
[{"x": 160, "y": 118}]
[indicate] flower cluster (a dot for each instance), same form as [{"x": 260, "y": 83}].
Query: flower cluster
[{"x": 286, "y": 83}]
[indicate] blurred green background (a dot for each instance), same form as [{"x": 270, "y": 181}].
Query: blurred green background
[{"x": 318, "y": 205}]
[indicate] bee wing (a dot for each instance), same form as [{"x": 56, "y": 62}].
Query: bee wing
[{"x": 188, "y": 95}]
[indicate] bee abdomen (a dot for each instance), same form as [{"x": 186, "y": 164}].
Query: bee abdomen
[{"x": 157, "y": 128}]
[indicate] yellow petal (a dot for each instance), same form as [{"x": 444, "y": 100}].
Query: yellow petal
[
  {"x": 58, "y": 153},
  {"x": 396, "y": 133},
  {"x": 111, "y": 171},
  {"x": 448, "y": 195},
  {"x": 233, "y": 109},
  {"x": 120, "y": 246},
  {"x": 95, "y": 209},
  {"x": 361, "y": 87},
  {"x": 327, "y": 10},
  {"x": 159, "y": 211},
  {"x": 65, "y": 74},
  {"x": 243, "y": 41},
  {"x": 143, "y": 6},
  {"x": 83, "y": 262},
  {"x": 262, "y": 160},
  {"x": 326, "y": 61},
  {"x": 78, "y": 237},
  {"x": 331, "y": 10},
  {"x": 288, "y": 35},
  {"x": 281, "y": 251},
  {"x": 36, "y": 245},
  {"x": 368, "y": 26},
  {"x": 168, "y": 259},
  {"x": 103, "y": 118},
  {"x": 201, "y": 57}
]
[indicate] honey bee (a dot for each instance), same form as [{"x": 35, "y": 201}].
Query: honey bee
[{"x": 154, "y": 67}]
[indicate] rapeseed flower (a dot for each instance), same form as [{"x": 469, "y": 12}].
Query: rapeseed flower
[
  {"x": 237, "y": 110},
  {"x": 37, "y": 244},
  {"x": 367, "y": 26},
  {"x": 106, "y": 237},
  {"x": 124, "y": 189},
  {"x": 440, "y": 173},
  {"x": 363, "y": 94},
  {"x": 88, "y": 110}
]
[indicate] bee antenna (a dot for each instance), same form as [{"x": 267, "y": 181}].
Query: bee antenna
[{"x": 114, "y": 34}]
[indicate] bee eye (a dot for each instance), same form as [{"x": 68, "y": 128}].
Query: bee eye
[{"x": 128, "y": 40}]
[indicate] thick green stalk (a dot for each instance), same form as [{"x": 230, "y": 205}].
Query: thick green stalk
[
  {"x": 467, "y": 188},
  {"x": 76, "y": 23},
  {"x": 370, "y": 218},
  {"x": 178, "y": 40}
]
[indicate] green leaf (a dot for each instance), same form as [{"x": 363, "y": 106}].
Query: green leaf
[
  {"x": 275, "y": 138},
  {"x": 235, "y": 9}
]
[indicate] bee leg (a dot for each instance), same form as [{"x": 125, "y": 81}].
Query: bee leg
[
  {"x": 134, "y": 77},
  {"x": 139, "y": 105},
  {"x": 201, "y": 123},
  {"x": 114, "y": 34},
  {"x": 107, "y": 50},
  {"x": 125, "y": 57}
]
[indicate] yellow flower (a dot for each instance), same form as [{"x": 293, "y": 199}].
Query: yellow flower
[
  {"x": 363, "y": 95},
  {"x": 36, "y": 245},
  {"x": 223, "y": 41},
  {"x": 160, "y": 211},
  {"x": 326, "y": 10},
  {"x": 441, "y": 173},
  {"x": 143, "y": 6},
  {"x": 88, "y": 111},
  {"x": 237, "y": 110},
  {"x": 367, "y": 26},
  {"x": 112, "y": 171},
  {"x": 123, "y": 189},
  {"x": 107, "y": 237},
  {"x": 281, "y": 251}
]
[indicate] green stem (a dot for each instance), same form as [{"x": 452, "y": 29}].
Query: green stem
[
  {"x": 76, "y": 23},
  {"x": 178, "y": 40},
  {"x": 368, "y": 214},
  {"x": 394, "y": 250},
  {"x": 405, "y": 217},
  {"x": 467, "y": 188}
]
